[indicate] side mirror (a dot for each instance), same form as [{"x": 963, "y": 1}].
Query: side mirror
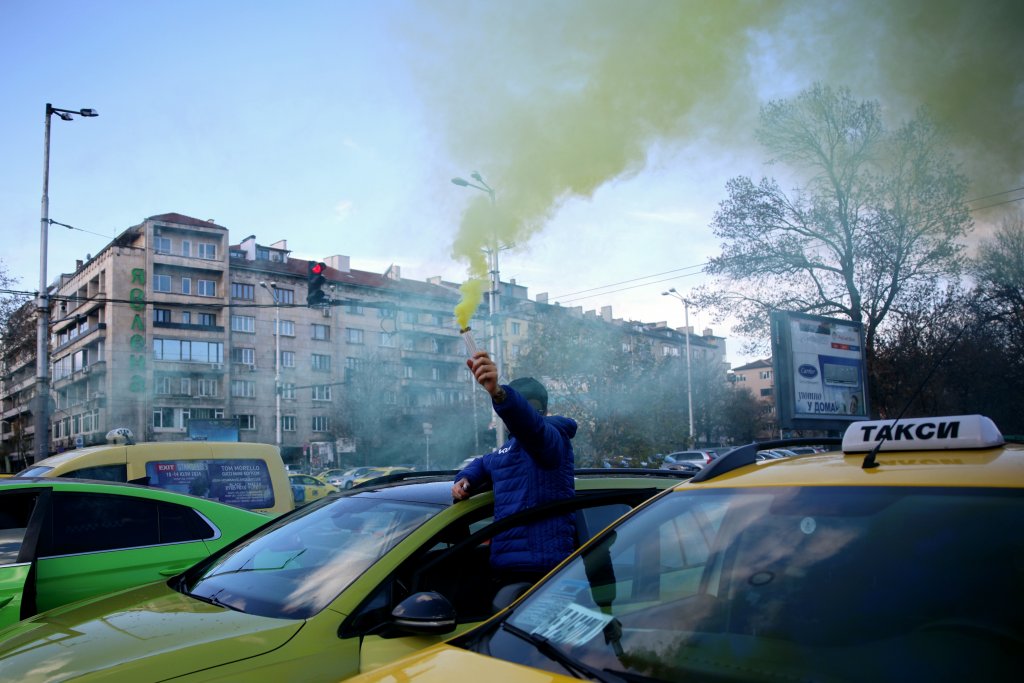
[{"x": 427, "y": 613}]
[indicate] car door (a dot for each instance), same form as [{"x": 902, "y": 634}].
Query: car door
[
  {"x": 455, "y": 563},
  {"x": 95, "y": 543},
  {"x": 18, "y": 537}
]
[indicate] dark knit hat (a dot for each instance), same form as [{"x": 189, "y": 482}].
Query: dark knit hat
[{"x": 531, "y": 388}]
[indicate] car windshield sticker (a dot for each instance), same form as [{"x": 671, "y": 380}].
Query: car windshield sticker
[
  {"x": 548, "y": 604},
  {"x": 574, "y": 626}
]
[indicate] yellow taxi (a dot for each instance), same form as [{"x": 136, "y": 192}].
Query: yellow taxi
[
  {"x": 306, "y": 488},
  {"x": 900, "y": 557}
]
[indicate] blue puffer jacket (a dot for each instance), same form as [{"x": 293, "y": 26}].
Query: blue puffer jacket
[{"x": 534, "y": 466}]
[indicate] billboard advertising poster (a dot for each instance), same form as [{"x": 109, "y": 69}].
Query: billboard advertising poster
[
  {"x": 218, "y": 429},
  {"x": 820, "y": 371}
]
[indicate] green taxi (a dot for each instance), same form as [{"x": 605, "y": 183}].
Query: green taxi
[
  {"x": 900, "y": 558},
  {"x": 62, "y": 540},
  {"x": 324, "y": 592}
]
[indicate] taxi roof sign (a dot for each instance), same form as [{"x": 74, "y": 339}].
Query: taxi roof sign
[{"x": 923, "y": 434}]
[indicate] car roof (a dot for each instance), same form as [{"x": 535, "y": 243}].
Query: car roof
[
  {"x": 976, "y": 456},
  {"x": 435, "y": 487}
]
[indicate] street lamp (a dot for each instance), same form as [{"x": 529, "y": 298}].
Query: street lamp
[
  {"x": 495, "y": 303},
  {"x": 689, "y": 384},
  {"x": 41, "y": 444},
  {"x": 277, "y": 361}
]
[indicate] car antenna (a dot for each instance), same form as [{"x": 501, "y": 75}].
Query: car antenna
[{"x": 870, "y": 461}]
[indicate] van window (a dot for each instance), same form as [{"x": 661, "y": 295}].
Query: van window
[
  {"x": 242, "y": 483},
  {"x": 101, "y": 472}
]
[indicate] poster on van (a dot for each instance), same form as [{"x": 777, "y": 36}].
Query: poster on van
[{"x": 243, "y": 483}]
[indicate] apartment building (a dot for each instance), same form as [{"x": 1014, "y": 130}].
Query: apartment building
[
  {"x": 758, "y": 377},
  {"x": 172, "y": 324}
]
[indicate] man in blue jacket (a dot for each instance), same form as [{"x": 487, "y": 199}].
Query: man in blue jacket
[{"x": 533, "y": 467}]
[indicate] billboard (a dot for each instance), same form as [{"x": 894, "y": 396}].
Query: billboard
[
  {"x": 820, "y": 371},
  {"x": 219, "y": 429}
]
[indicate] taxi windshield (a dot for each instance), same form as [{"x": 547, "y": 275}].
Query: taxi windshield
[
  {"x": 295, "y": 567},
  {"x": 894, "y": 583}
]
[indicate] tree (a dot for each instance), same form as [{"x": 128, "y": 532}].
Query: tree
[
  {"x": 876, "y": 221},
  {"x": 999, "y": 272}
]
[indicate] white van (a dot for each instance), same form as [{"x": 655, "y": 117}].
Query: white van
[{"x": 248, "y": 475}]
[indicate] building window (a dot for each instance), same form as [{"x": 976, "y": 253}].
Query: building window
[
  {"x": 186, "y": 285},
  {"x": 163, "y": 386},
  {"x": 287, "y": 359},
  {"x": 207, "y": 251},
  {"x": 243, "y": 388},
  {"x": 186, "y": 318},
  {"x": 287, "y": 328},
  {"x": 388, "y": 339},
  {"x": 207, "y": 387},
  {"x": 170, "y": 418},
  {"x": 285, "y": 296},
  {"x": 408, "y": 344},
  {"x": 321, "y": 362},
  {"x": 208, "y": 319},
  {"x": 243, "y": 323},
  {"x": 186, "y": 248},
  {"x": 407, "y": 372},
  {"x": 765, "y": 374},
  {"x": 515, "y": 350},
  {"x": 767, "y": 391},
  {"x": 161, "y": 315},
  {"x": 515, "y": 328},
  {"x": 386, "y": 313},
  {"x": 322, "y": 392},
  {"x": 161, "y": 283},
  {"x": 246, "y": 423},
  {"x": 262, "y": 254},
  {"x": 321, "y": 332},
  {"x": 439, "y": 319},
  {"x": 185, "y": 386},
  {"x": 162, "y": 245},
  {"x": 391, "y": 398},
  {"x": 435, "y": 374},
  {"x": 207, "y": 288},
  {"x": 243, "y": 291},
  {"x": 321, "y": 423},
  {"x": 288, "y": 391},
  {"x": 353, "y": 335},
  {"x": 410, "y": 317},
  {"x": 287, "y": 423},
  {"x": 243, "y": 355},
  {"x": 353, "y": 309}
]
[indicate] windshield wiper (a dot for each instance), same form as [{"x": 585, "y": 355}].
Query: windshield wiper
[
  {"x": 214, "y": 600},
  {"x": 577, "y": 668},
  {"x": 243, "y": 569}
]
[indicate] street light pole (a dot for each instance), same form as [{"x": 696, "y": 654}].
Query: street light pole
[
  {"x": 41, "y": 442},
  {"x": 495, "y": 296},
  {"x": 277, "y": 361},
  {"x": 689, "y": 384}
]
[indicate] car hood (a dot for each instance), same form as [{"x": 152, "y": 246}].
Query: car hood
[
  {"x": 437, "y": 664},
  {"x": 148, "y": 633}
]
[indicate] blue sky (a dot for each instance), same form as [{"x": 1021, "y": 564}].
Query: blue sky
[{"x": 608, "y": 133}]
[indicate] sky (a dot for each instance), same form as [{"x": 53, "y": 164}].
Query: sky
[{"x": 607, "y": 129}]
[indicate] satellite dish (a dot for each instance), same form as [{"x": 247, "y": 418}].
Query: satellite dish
[{"x": 121, "y": 435}]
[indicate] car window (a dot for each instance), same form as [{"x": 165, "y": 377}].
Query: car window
[
  {"x": 92, "y": 522},
  {"x": 461, "y": 572},
  {"x": 16, "y": 509},
  {"x": 100, "y": 472}
]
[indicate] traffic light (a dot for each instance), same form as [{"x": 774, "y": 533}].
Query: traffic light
[{"x": 315, "y": 295}]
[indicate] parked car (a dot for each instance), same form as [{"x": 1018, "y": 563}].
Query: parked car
[
  {"x": 317, "y": 595},
  {"x": 896, "y": 559},
  {"x": 373, "y": 473},
  {"x": 687, "y": 459},
  {"x": 306, "y": 488},
  {"x": 63, "y": 539}
]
